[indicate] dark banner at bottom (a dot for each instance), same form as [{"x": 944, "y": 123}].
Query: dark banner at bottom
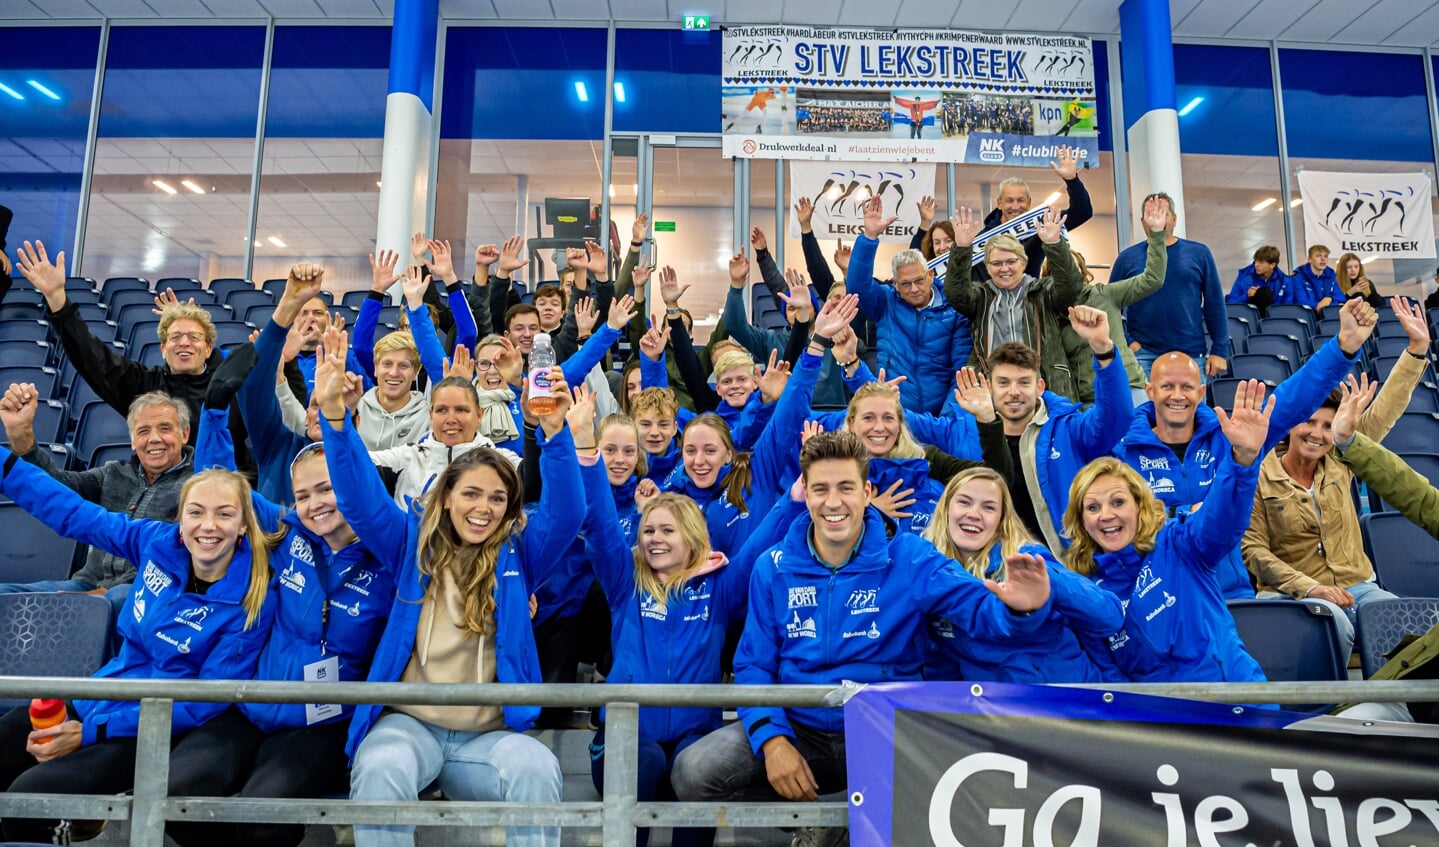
[{"x": 997, "y": 765}]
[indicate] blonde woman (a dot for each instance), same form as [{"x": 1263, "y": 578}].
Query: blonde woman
[
  {"x": 199, "y": 610},
  {"x": 976, "y": 526},
  {"x": 1176, "y": 625},
  {"x": 467, "y": 560}
]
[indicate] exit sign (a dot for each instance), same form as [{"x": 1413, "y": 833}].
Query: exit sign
[
  {"x": 664, "y": 226},
  {"x": 697, "y": 21}
]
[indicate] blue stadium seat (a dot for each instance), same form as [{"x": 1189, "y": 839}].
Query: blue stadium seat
[
  {"x": 276, "y": 287},
  {"x": 1424, "y": 399},
  {"x": 1385, "y": 623},
  {"x": 1293, "y": 641},
  {"x": 223, "y": 287},
  {"x": 120, "y": 284},
  {"x": 353, "y": 299},
  {"x": 105, "y": 453},
  {"x": 259, "y": 314},
  {"x": 1295, "y": 327},
  {"x": 24, "y": 330},
  {"x": 82, "y": 394},
  {"x": 231, "y": 333},
  {"x": 79, "y": 283},
  {"x": 1414, "y": 432},
  {"x": 140, "y": 333},
  {"x": 82, "y": 295},
  {"x": 239, "y": 301},
  {"x": 390, "y": 315},
  {"x": 1330, "y": 325},
  {"x": 1244, "y": 311},
  {"x": 1221, "y": 393},
  {"x": 1427, "y": 466},
  {"x": 25, "y": 352},
  {"x": 1405, "y": 557},
  {"x": 42, "y": 377},
  {"x": 1383, "y": 365},
  {"x": 1269, "y": 369},
  {"x": 43, "y": 555},
  {"x": 128, "y": 297},
  {"x": 1294, "y": 311},
  {"x": 1239, "y": 328},
  {"x": 92, "y": 313},
  {"x": 150, "y": 355},
  {"x": 1391, "y": 346},
  {"x": 53, "y": 634},
  {"x": 52, "y": 418},
  {"x": 182, "y": 286},
  {"x": 99, "y": 424},
  {"x": 13, "y": 311},
  {"x": 218, "y": 312},
  {"x": 1274, "y": 345}
]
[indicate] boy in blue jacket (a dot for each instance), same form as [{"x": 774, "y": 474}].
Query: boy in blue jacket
[
  {"x": 839, "y": 600},
  {"x": 1313, "y": 283},
  {"x": 1262, "y": 283},
  {"x": 1175, "y": 441}
]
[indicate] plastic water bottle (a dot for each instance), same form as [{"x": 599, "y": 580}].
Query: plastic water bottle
[{"x": 542, "y": 393}]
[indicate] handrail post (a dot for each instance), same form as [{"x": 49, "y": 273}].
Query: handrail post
[
  {"x": 152, "y": 774},
  {"x": 622, "y": 763}
]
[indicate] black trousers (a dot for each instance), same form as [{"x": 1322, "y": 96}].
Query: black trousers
[{"x": 230, "y": 755}]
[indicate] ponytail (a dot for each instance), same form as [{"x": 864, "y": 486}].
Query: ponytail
[{"x": 740, "y": 482}]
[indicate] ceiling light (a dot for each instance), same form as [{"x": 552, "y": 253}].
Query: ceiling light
[
  {"x": 635, "y": 188},
  {"x": 42, "y": 89},
  {"x": 12, "y": 92},
  {"x": 275, "y": 241},
  {"x": 581, "y": 92},
  {"x": 377, "y": 183},
  {"x": 1368, "y": 260},
  {"x": 612, "y": 192},
  {"x": 1190, "y": 106},
  {"x": 619, "y": 92},
  {"x": 164, "y": 186},
  {"x": 1264, "y": 204},
  {"x": 1050, "y": 199},
  {"x": 194, "y": 189},
  {"x": 1295, "y": 202}
]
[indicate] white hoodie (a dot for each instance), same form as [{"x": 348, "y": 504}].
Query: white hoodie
[
  {"x": 419, "y": 464},
  {"x": 382, "y": 430}
]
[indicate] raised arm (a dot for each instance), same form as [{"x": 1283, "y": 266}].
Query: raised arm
[
  {"x": 815, "y": 264},
  {"x": 1081, "y": 209},
  {"x": 558, "y": 519},
  {"x": 1213, "y": 531},
  {"x": 1399, "y": 484},
  {"x": 442, "y": 268},
  {"x": 1103, "y": 425},
  {"x": 873, "y": 298},
  {"x": 963, "y": 293},
  {"x": 1123, "y": 292}
]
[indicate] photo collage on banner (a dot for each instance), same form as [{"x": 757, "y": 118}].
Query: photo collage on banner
[{"x": 907, "y": 95}]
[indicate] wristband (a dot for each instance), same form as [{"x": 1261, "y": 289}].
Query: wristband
[
  {"x": 340, "y": 419},
  {"x": 820, "y": 340},
  {"x": 845, "y": 366},
  {"x": 637, "y": 244},
  {"x": 1104, "y": 357},
  {"x": 672, "y": 311}
]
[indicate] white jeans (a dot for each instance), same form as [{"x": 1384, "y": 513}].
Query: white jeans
[{"x": 402, "y": 755}]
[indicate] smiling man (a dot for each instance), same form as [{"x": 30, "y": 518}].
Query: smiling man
[
  {"x": 1175, "y": 439},
  {"x": 839, "y": 600},
  {"x": 147, "y": 485}
]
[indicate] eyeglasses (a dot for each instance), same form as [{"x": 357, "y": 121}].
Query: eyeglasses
[
  {"x": 910, "y": 283},
  {"x": 314, "y": 447},
  {"x": 1002, "y": 263},
  {"x": 192, "y": 337},
  {"x": 485, "y": 364}
]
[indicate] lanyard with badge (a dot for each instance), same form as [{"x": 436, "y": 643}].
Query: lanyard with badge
[{"x": 327, "y": 669}]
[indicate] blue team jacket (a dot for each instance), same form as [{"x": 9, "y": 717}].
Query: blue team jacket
[
  {"x": 1278, "y": 283},
  {"x": 745, "y": 423},
  {"x": 863, "y": 622},
  {"x": 1176, "y": 625},
  {"x": 1052, "y": 653},
  {"x": 392, "y": 535},
  {"x": 166, "y": 632},
  {"x": 1307, "y": 289},
  {"x": 1183, "y": 481},
  {"x": 927, "y": 345}
]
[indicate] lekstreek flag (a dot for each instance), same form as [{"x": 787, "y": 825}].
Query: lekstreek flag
[
  {"x": 896, "y": 95},
  {"x": 1385, "y": 215},
  {"x": 840, "y": 190},
  {"x": 1009, "y": 765}
]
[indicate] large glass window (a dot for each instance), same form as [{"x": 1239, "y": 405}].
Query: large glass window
[
  {"x": 1230, "y": 152},
  {"x": 175, "y": 150},
  {"x": 1358, "y": 112},
  {"x": 47, "y": 75},
  {"x": 522, "y": 119},
  {"x": 667, "y": 80},
  {"x": 324, "y": 135}
]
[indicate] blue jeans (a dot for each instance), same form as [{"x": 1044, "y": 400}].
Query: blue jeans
[{"x": 402, "y": 755}]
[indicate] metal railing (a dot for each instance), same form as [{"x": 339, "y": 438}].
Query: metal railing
[{"x": 619, "y": 813}]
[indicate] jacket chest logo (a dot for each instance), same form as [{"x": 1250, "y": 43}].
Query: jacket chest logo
[
  {"x": 300, "y": 549},
  {"x": 801, "y": 596},
  {"x": 1146, "y": 463},
  {"x": 155, "y": 579},
  {"x": 1168, "y": 601},
  {"x": 292, "y": 579},
  {"x": 797, "y": 628},
  {"x": 194, "y": 618},
  {"x": 360, "y": 582},
  {"x": 651, "y": 608},
  {"x": 864, "y": 601}
]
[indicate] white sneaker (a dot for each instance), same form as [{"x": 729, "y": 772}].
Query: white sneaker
[{"x": 820, "y": 836}]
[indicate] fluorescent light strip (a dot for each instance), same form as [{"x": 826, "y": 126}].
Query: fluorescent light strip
[
  {"x": 164, "y": 186},
  {"x": 194, "y": 189},
  {"x": 1368, "y": 260},
  {"x": 581, "y": 92},
  {"x": 12, "y": 92},
  {"x": 1264, "y": 204},
  {"x": 619, "y": 92},
  {"x": 275, "y": 241},
  {"x": 1190, "y": 106},
  {"x": 1295, "y": 202},
  {"x": 1049, "y": 201},
  {"x": 42, "y": 89}
]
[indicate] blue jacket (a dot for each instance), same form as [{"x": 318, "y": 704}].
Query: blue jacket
[
  {"x": 357, "y": 588},
  {"x": 927, "y": 345},
  {"x": 306, "y": 363},
  {"x": 166, "y": 632},
  {"x": 1184, "y": 632},
  {"x": 368, "y": 322},
  {"x": 1183, "y": 482},
  {"x": 1052, "y": 653},
  {"x": 863, "y": 622},
  {"x": 1277, "y": 282},
  {"x": 1307, "y": 289},
  {"x": 1071, "y": 437},
  {"x": 745, "y": 423},
  {"x": 679, "y": 642},
  {"x": 1189, "y": 306},
  {"x": 274, "y": 445},
  {"x": 393, "y": 536}
]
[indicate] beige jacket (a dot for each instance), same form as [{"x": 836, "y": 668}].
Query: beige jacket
[{"x": 1298, "y": 539}]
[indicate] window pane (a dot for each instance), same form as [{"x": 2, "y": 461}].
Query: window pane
[
  {"x": 48, "y": 75},
  {"x": 175, "y": 152},
  {"x": 538, "y": 83},
  {"x": 670, "y": 79},
  {"x": 324, "y": 134}
]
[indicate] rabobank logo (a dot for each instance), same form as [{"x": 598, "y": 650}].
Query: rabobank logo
[{"x": 991, "y": 150}]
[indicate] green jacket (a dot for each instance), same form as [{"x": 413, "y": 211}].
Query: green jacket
[
  {"x": 1400, "y": 485},
  {"x": 1047, "y": 308},
  {"x": 1113, "y": 298}
]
